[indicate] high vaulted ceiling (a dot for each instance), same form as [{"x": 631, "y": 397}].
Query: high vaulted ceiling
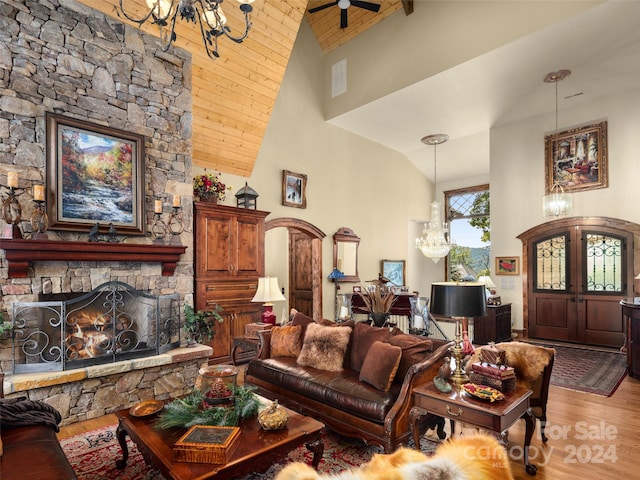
[{"x": 233, "y": 96}]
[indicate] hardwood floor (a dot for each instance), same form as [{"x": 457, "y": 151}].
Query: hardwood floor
[{"x": 590, "y": 436}]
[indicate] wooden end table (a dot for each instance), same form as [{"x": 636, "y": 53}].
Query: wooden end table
[
  {"x": 246, "y": 344},
  {"x": 257, "y": 450},
  {"x": 458, "y": 406}
]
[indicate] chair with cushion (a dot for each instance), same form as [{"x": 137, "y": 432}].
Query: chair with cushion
[{"x": 532, "y": 365}]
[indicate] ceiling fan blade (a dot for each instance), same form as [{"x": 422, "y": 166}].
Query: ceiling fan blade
[
  {"x": 322, "y": 7},
  {"x": 373, "y": 7},
  {"x": 343, "y": 18}
]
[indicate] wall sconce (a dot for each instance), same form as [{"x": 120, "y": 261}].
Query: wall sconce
[
  {"x": 176, "y": 223},
  {"x": 159, "y": 228},
  {"x": 39, "y": 218},
  {"x": 11, "y": 210}
]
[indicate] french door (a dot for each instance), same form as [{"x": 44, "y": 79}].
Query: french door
[{"x": 576, "y": 276}]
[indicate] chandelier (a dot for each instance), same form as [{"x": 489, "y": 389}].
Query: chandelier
[
  {"x": 206, "y": 13},
  {"x": 557, "y": 202},
  {"x": 434, "y": 243}
]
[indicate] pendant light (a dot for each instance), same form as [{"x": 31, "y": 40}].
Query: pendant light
[
  {"x": 557, "y": 202},
  {"x": 434, "y": 243}
]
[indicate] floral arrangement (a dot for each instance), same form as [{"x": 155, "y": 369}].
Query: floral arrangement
[{"x": 209, "y": 185}]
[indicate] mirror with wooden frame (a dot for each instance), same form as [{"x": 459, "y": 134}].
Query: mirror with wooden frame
[{"x": 345, "y": 254}]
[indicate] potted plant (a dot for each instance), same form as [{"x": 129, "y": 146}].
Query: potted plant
[
  {"x": 209, "y": 187},
  {"x": 200, "y": 325},
  {"x": 377, "y": 301},
  {"x": 6, "y": 327}
]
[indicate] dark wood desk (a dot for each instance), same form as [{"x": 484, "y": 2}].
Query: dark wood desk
[
  {"x": 257, "y": 450},
  {"x": 458, "y": 406},
  {"x": 631, "y": 319},
  {"x": 494, "y": 327}
]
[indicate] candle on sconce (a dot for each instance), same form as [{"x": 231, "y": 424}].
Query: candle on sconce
[
  {"x": 38, "y": 193},
  {"x": 176, "y": 200},
  {"x": 12, "y": 179},
  {"x": 157, "y": 208}
]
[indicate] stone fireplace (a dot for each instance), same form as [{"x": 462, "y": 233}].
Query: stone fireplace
[{"x": 113, "y": 322}]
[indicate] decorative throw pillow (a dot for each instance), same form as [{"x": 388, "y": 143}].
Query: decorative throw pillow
[
  {"x": 324, "y": 347},
  {"x": 363, "y": 337},
  {"x": 414, "y": 350},
  {"x": 286, "y": 341},
  {"x": 298, "y": 318},
  {"x": 380, "y": 365}
]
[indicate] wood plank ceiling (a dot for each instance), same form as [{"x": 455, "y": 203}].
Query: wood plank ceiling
[{"x": 233, "y": 96}]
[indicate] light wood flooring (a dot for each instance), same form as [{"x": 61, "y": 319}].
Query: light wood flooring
[{"x": 590, "y": 436}]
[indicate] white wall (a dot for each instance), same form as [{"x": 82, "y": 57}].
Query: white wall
[
  {"x": 517, "y": 178},
  {"x": 352, "y": 182}
]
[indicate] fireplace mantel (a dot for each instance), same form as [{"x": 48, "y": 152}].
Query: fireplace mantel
[{"x": 20, "y": 253}]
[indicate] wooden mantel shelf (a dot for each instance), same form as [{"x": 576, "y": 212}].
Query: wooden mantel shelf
[{"x": 21, "y": 252}]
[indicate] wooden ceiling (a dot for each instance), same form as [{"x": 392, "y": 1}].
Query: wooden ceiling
[
  {"x": 326, "y": 23},
  {"x": 233, "y": 96}
]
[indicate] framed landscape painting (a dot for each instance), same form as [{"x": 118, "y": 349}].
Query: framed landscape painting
[
  {"x": 577, "y": 159},
  {"x": 95, "y": 176}
]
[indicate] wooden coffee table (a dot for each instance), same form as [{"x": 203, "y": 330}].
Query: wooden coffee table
[{"x": 257, "y": 451}]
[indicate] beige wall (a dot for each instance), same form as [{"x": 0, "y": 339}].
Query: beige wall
[{"x": 352, "y": 182}]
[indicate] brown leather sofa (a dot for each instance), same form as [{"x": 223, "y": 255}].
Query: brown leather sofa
[
  {"x": 31, "y": 452},
  {"x": 341, "y": 400}
]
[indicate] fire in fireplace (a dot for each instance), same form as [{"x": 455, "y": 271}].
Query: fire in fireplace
[{"x": 111, "y": 323}]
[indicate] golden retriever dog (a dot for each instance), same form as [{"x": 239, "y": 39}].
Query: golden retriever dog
[{"x": 474, "y": 457}]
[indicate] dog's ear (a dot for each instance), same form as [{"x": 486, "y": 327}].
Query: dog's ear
[{"x": 297, "y": 471}]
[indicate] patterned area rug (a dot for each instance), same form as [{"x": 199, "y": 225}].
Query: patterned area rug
[
  {"x": 93, "y": 456},
  {"x": 590, "y": 370}
]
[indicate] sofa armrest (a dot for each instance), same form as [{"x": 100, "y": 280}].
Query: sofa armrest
[
  {"x": 264, "y": 351},
  {"x": 418, "y": 374}
]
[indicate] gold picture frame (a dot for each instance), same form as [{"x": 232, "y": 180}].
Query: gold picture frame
[
  {"x": 507, "y": 266},
  {"x": 576, "y": 159}
]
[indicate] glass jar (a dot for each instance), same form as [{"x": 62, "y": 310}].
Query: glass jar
[{"x": 218, "y": 383}]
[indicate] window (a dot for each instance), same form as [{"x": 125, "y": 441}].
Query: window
[{"x": 468, "y": 214}]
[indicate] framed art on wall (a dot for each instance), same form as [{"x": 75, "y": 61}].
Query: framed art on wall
[
  {"x": 577, "y": 159},
  {"x": 394, "y": 270},
  {"x": 95, "y": 175},
  {"x": 507, "y": 266},
  {"x": 294, "y": 189}
]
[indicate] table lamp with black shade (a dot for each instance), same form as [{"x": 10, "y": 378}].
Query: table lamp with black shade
[{"x": 464, "y": 300}]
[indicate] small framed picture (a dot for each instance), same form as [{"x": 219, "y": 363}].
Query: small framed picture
[
  {"x": 394, "y": 271},
  {"x": 357, "y": 289},
  {"x": 294, "y": 189},
  {"x": 507, "y": 266}
]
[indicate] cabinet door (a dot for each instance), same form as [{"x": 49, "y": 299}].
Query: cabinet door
[
  {"x": 229, "y": 242},
  {"x": 235, "y": 318}
]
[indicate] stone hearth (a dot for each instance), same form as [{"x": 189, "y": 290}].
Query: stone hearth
[{"x": 91, "y": 392}]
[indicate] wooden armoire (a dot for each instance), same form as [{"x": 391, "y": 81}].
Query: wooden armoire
[{"x": 228, "y": 260}]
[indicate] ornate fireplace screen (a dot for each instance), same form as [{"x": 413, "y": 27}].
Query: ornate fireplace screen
[{"x": 114, "y": 322}]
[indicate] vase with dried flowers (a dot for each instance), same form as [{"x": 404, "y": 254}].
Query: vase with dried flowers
[
  {"x": 378, "y": 301},
  {"x": 209, "y": 187}
]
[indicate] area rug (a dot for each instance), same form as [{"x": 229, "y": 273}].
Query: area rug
[
  {"x": 586, "y": 369},
  {"x": 93, "y": 456}
]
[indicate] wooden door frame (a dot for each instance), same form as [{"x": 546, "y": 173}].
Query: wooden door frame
[
  {"x": 316, "y": 254},
  {"x": 633, "y": 251}
]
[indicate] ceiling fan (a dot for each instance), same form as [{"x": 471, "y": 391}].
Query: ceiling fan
[{"x": 344, "y": 5}]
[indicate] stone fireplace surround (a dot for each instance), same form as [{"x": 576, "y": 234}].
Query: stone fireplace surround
[{"x": 63, "y": 57}]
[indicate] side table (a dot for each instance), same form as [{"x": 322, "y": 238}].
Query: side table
[
  {"x": 246, "y": 344},
  {"x": 457, "y": 406}
]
